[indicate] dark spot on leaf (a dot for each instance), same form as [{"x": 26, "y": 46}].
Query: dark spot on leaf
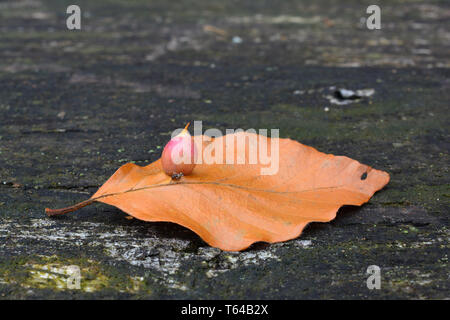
[{"x": 177, "y": 176}]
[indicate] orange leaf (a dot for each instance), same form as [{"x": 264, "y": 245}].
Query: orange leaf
[{"x": 231, "y": 206}]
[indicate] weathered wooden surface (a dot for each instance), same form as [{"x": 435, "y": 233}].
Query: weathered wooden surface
[{"x": 75, "y": 105}]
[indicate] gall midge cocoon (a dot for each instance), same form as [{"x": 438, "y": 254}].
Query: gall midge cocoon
[{"x": 179, "y": 154}]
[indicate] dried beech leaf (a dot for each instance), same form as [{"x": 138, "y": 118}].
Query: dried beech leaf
[{"x": 233, "y": 206}]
